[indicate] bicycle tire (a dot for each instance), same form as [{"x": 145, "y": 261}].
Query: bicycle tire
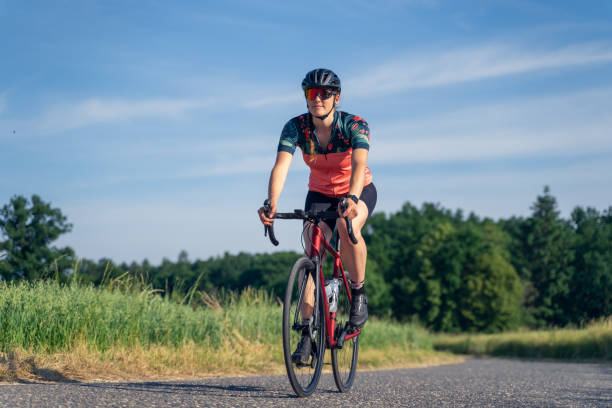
[
  {"x": 304, "y": 380},
  {"x": 344, "y": 360}
]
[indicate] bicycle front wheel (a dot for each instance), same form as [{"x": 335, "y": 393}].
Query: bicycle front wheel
[
  {"x": 299, "y": 300},
  {"x": 344, "y": 360}
]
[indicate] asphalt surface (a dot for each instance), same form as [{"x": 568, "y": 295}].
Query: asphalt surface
[{"x": 475, "y": 383}]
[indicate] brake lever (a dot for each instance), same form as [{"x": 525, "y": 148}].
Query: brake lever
[
  {"x": 349, "y": 224},
  {"x": 269, "y": 229}
]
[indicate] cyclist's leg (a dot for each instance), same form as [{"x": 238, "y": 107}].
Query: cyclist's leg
[
  {"x": 308, "y": 303},
  {"x": 307, "y": 236},
  {"x": 354, "y": 255},
  {"x": 354, "y": 259}
]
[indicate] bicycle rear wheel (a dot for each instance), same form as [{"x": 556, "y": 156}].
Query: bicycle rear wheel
[
  {"x": 303, "y": 379},
  {"x": 344, "y": 360}
]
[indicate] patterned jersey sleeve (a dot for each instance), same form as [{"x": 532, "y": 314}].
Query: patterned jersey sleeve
[
  {"x": 360, "y": 134},
  {"x": 289, "y": 138}
]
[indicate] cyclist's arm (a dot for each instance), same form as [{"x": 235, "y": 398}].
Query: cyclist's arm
[
  {"x": 278, "y": 177},
  {"x": 359, "y": 159},
  {"x": 360, "y": 141},
  {"x": 358, "y": 164},
  {"x": 284, "y": 155}
]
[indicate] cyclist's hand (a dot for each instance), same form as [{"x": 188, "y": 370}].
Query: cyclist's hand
[
  {"x": 267, "y": 220},
  {"x": 351, "y": 210}
]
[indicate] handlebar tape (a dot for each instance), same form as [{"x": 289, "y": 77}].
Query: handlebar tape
[{"x": 269, "y": 229}]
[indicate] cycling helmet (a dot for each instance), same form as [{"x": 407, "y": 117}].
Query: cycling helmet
[{"x": 321, "y": 78}]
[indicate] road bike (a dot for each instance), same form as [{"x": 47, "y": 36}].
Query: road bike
[{"x": 328, "y": 326}]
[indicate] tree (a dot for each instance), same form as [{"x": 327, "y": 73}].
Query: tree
[
  {"x": 491, "y": 293},
  {"x": 550, "y": 255},
  {"x": 450, "y": 273},
  {"x": 590, "y": 293},
  {"x": 29, "y": 227}
]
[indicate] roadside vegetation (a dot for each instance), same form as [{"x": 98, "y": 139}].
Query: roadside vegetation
[
  {"x": 66, "y": 317},
  {"x": 451, "y": 271},
  {"x": 126, "y": 330},
  {"x": 592, "y": 342}
]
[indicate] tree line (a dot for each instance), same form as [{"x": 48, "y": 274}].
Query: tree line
[{"x": 450, "y": 271}]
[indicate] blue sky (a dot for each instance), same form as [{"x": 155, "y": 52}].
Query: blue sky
[{"x": 154, "y": 125}]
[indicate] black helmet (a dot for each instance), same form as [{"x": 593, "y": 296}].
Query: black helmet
[{"x": 321, "y": 78}]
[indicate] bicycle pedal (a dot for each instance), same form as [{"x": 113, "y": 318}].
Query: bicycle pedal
[
  {"x": 300, "y": 364},
  {"x": 340, "y": 340},
  {"x": 349, "y": 328}
]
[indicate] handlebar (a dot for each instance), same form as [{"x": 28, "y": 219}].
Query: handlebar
[{"x": 313, "y": 216}]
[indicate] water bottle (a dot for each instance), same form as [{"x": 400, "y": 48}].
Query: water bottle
[{"x": 332, "y": 287}]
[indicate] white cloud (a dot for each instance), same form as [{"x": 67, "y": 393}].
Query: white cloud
[
  {"x": 399, "y": 75},
  {"x": 470, "y": 64},
  {"x": 560, "y": 126},
  {"x": 565, "y": 125},
  {"x": 435, "y": 69},
  {"x": 500, "y": 192},
  {"x": 94, "y": 111}
]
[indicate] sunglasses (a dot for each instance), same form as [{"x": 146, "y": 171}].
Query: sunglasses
[{"x": 323, "y": 93}]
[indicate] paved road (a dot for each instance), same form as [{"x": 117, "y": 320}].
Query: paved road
[{"x": 475, "y": 383}]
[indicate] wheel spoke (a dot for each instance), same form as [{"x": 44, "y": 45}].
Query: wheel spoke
[
  {"x": 344, "y": 360},
  {"x": 303, "y": 378}
]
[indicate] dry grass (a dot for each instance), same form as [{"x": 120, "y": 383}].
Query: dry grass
[
  {"x": 183, "y": 362},
  {"x": 134, "y": 364},
  {"x": 402, "y": 357},
  {"x": 593, "y": 342}
]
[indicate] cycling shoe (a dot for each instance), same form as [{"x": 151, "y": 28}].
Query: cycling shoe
[
  {"x": 301, "y": 356},
  {"x": 359, "y": 310}
]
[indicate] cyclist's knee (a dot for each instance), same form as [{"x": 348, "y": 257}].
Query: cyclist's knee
[
  {"x": 341, "y": 227},
  {"x": 343, "y": 231},
  {"x": 307, "y": 235}
]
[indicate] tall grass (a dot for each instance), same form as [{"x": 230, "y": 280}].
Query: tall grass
[
  {"x": 591, "y": 342},
  {"x": 125, "y": 326},
  {"x": 49, "y": 317},
  {"x": 381, "y": 334}
]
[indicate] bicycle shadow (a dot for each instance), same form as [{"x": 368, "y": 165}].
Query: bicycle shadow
[{"x": 201, "y": 389}]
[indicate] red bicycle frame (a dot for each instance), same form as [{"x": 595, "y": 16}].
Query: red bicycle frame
[{"x": 330, "y": 318}]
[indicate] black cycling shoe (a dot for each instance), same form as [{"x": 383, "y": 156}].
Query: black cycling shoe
[
  {"x": 301, "y": 356},
  {"x": 359, "y": 310}
]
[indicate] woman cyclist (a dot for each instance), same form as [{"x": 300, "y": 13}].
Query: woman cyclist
[{"x": 335, "y": 146}]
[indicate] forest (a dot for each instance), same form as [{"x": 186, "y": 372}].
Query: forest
[{"x": 449, "y": 271}]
